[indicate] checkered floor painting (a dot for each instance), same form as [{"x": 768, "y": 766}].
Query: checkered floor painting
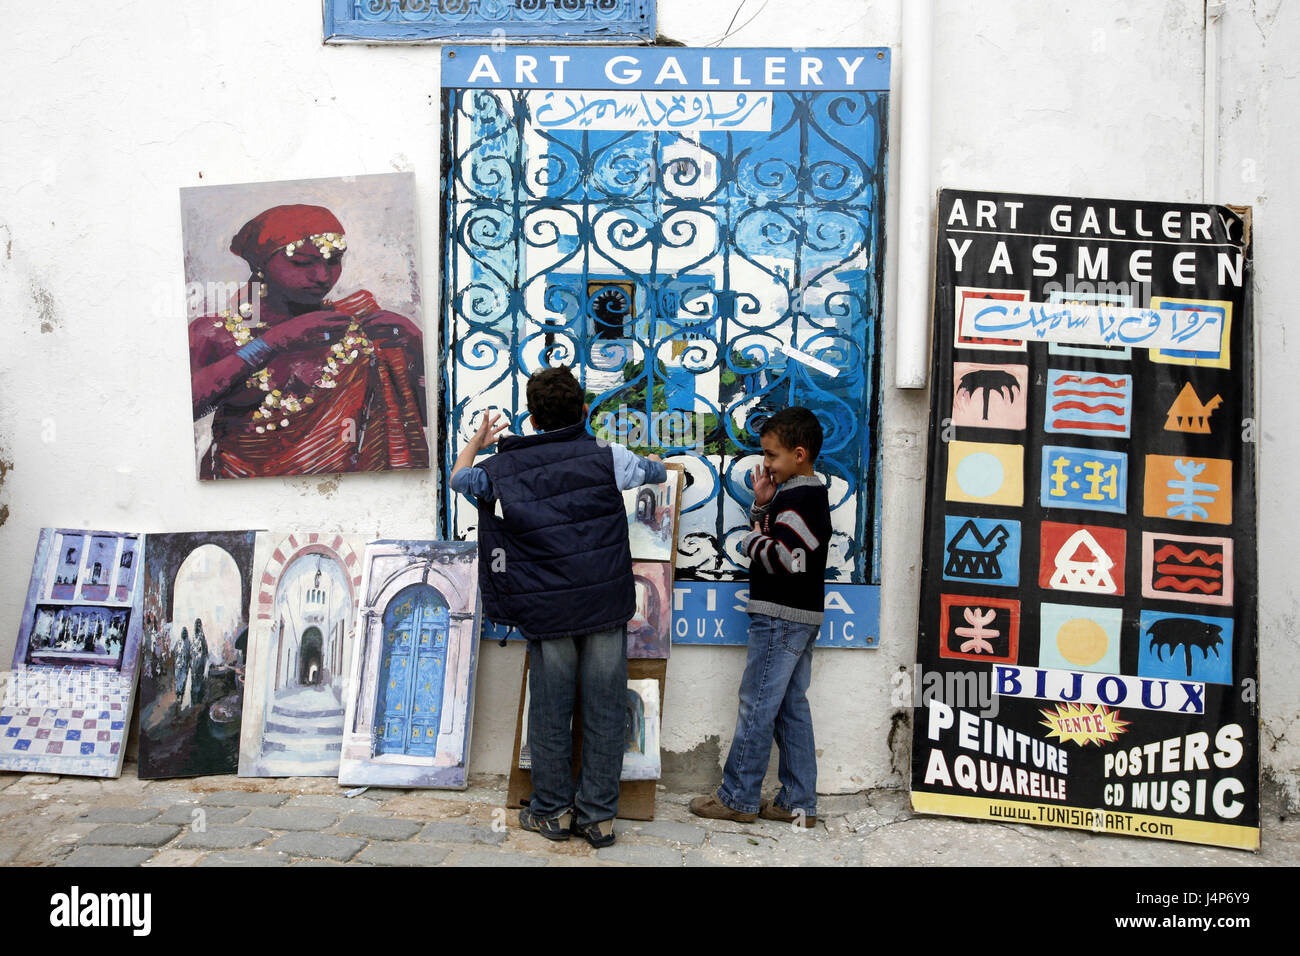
[{"x": 85, "y": 732}]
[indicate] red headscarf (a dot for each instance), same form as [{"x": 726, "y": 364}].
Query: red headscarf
[{"x": 274, "y": 229}]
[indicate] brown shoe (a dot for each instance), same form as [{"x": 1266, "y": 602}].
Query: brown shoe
[
  {"x": 770, "y": 811},
  {"x": 714, "y": 809}
]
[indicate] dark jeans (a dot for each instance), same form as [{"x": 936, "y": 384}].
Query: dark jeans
[
  {"x": 596, "y": 663},
  {"x": 774, "y": 707}
]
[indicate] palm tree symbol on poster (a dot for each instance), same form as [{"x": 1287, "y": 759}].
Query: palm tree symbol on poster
[
  {"x": 1174, "y": 633},
  {"x": 991, "y": 382},
  {"x": 989, "y": 396},
  {"x": 1186, "y": 646}
]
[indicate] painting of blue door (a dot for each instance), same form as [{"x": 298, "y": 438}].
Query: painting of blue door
[{"x": 408, "y": 707}]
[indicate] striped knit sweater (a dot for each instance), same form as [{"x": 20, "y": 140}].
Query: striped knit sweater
[{"x": 788, "y": 556}]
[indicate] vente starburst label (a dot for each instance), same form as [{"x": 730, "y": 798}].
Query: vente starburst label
[{"x": 1084, "y": 723}]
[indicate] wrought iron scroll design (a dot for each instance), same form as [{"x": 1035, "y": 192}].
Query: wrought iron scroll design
[
  {"x": 546, "y": 11},
  {"x": 736, "y": 248}
]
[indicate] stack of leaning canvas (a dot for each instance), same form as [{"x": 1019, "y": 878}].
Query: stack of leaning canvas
[{"x": 266, "y": 653}]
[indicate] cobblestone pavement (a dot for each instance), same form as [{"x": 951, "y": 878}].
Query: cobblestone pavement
[{"x": 301, "y": 821}]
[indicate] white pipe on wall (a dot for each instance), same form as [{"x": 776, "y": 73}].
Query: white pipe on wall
[
  {"x": 1210, "y": 103},
  {"x": 912, "y": 322}
]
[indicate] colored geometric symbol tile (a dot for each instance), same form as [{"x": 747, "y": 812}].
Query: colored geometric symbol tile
[
  {"x": 986, "y": 473},
  {"x": 1087, "y": 478},
  {"x": 1115, "y": 353},
  {"x": 1185, "y": 647},
  {"x": 1073, "y": 637},
  {"x": 967, "y": 301},
  {"x": 986, "y": 550},
  {"x": 1188, "y": 489},
  {"x": 1180, "y": 567},
  {"x": 1189, "y": 414},
  {"x": 979, "y": 628},
  {"x": 989, "y": 396},
  {"x": 1196, "y": 312},
  {"x": 1088, "y": 403},
  {"x": 1084, "y": 558}
]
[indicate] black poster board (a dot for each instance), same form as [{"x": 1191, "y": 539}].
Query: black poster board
[{"x": 1087, "y": 641}]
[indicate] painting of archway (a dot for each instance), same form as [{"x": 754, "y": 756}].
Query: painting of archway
[
  {"x": 411, "y": 692},
  {"x": 311, "y": 649},
  {"x": 192, "y": 682},
  {"x": 649, "y": 631},
  {"x": 304, "y": 610}
]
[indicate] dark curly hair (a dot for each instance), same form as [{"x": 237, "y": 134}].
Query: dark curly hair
[
  {"x": 795, "y": 427},
  {"x": 555, "y": 398}
]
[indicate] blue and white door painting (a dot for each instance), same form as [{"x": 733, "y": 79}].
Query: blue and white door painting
[
  {"x": 699, "y": 234},
  {"x": 411, "y": 671},
  {"x": 411, "y": 685}
]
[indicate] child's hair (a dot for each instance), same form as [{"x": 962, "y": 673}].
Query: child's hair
[
  {"x": 555, "y": 398},
  {"x": 795, "y": 427}
]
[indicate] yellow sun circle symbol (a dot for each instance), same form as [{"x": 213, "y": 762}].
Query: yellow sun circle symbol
[{"x": 1082, "y": 642}]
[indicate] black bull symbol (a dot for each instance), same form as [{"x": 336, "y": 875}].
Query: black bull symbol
[
  {"x": 990, "y": 381},
  {"x": 1177, "y": 632}
]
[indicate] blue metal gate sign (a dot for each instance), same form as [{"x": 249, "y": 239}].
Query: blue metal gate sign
[
  {"x": 597, "y": 21},
  {"x": 714, "y": 613},
  {"x": 699, "y": 234}
]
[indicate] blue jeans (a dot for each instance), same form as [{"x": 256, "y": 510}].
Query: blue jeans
[
  {"x": 774, "y": 707},
  {"x": 596, "y": 663}
]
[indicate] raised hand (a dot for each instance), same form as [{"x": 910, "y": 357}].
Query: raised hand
[
  {"x": 764, "y": 486},
  {"x": 489, "y": 429}
]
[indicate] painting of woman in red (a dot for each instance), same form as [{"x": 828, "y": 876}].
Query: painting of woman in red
[{"x": 298, "y": 384}]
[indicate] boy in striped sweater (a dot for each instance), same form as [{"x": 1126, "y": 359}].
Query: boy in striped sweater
[{"x": 787, "y": 549}]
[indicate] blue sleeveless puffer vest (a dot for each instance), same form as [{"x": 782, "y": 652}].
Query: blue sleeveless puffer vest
[{"x": 556, "y": 563}]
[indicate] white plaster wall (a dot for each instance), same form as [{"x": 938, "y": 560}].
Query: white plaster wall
[
  {"x": 1259, "y": 96},
  {"x": 105, "y": 117}
]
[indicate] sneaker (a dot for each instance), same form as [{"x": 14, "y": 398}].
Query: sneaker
[
  {"x": 598, "y": 834},
  {"x": 714, "y": 809},
  {"x": 770, "y": 811},
  {"x": 554, "y": 829}
]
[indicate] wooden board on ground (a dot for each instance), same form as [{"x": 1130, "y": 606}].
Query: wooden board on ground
[{"x": 636, "y": 800}]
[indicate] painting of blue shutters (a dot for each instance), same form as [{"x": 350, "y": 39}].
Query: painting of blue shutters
[{"x": 408, "y": 707}]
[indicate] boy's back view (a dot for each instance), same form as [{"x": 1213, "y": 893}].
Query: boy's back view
[{"x": 554, "y": 562}]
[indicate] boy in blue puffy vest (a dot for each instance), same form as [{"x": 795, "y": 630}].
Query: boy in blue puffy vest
[
  {"x": 554, "y": 562},
  {"x": 787, "y": 549}
]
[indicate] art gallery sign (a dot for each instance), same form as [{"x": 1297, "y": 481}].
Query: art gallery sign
[
  {"x": 1090, "y": 549},
  {"x": 699, "y": 235}
]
